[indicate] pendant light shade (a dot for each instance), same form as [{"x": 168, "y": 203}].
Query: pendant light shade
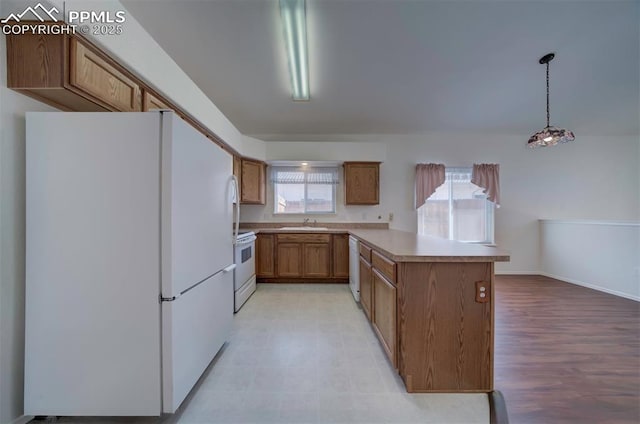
[{"x": 549, "y": 135}]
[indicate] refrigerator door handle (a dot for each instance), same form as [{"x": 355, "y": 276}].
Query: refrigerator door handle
[
  {"x": 236, "y": 189},
  {"x": 229, "y": 268}
]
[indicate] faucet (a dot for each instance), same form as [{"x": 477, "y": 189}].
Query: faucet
[{"x": 305, "y": 222}]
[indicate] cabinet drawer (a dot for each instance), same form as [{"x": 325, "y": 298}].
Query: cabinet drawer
[
  {"x": 92, "y": 74},
  {"x": 365, "y": 252},
  {"x": 384, "y": 265},
  {"x": 304, "y": 238}
]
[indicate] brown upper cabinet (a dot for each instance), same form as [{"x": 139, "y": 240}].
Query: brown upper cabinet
[
  {"x": 362, "y": 183},
  {"x": 152, "y": 102},
  {"x": 91, "y": 73},
  {"x": 69, "y": 74},
  {"x": 253, "y": 184}
]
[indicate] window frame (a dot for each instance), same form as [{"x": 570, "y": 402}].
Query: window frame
[{"x": 307, "y": 170}]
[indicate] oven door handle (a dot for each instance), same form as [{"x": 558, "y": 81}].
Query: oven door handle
[{"x": 229, "y": 268}]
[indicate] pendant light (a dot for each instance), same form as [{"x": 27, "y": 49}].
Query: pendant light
[{"x": 549, "y": 136}]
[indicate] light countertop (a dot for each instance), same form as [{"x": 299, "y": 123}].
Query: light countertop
[{"x": 403, "y": 246}]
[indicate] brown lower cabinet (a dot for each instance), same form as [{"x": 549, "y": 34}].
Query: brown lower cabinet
[
  {"x": 429, "y": 322},
  {"x": 340, "y": 265},
  {"x": 265, "y": 245},
  {"x": 289, "y": 260},
  {"x": 384, "y": 314},
  {"x": 366, "y": 298},
  {"x": 316, "y": 258},
  {"x": 302, "y": 257}
]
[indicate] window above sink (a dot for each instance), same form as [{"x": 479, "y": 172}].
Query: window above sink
[{"x": 304, "y": 189}]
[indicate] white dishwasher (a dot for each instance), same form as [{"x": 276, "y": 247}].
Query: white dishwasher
[{"x": 354, "y": 267}]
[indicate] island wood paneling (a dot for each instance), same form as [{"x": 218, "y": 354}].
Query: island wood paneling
[{"x": 446, "y": 337}]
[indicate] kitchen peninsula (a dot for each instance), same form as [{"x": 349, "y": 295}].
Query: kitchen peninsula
[{"x": 429, "y": 300}]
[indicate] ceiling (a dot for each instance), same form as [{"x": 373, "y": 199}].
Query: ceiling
[{"x": 409, "y": 67}]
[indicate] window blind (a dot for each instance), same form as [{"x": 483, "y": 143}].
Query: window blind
[{"x": 293, "y": 175}]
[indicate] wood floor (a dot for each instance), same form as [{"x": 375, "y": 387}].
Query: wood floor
[{"x": 565, "y": 353}]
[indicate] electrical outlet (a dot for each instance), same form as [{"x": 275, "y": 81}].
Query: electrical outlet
[
  {"x": 483, "y": 292},
  {"x": 390, "y": 216}
]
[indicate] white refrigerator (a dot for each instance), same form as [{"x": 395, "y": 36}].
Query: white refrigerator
[{"x": 129, "y": 262}]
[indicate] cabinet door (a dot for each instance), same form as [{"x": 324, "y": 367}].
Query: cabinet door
[
  {"x": 366, "y": 294},
  {"x": 316, "y": 260},
  {"x": 289, "y": 262},
  {"x": 340, "y": 266},
  {"x": 362, "y": 183},
  {"x": 384, "y": 314},
  {"x": 92, "y": 74},
  {"x": 265, "y": 251},
  {"x": 252, "y": 182},
  {"x": 151, "y": 102}
]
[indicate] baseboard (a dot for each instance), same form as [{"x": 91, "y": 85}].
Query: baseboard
[
  {"x": 592, "y": 286},
  {"x": 22, "y": 420},
  {"x": 518, "y": 273}
]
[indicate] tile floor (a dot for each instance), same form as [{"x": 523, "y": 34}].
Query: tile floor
[{"x": 305, "y": 353}]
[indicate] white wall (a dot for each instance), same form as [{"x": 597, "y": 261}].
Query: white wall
[
  {"x": 602, "y": 255},
  {"x": 591, "y": 178}
]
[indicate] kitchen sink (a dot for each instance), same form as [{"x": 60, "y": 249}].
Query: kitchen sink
[{"x": 305, "y": 228}]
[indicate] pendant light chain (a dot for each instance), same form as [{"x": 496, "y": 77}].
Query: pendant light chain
[{"x": 547, "y": 94}]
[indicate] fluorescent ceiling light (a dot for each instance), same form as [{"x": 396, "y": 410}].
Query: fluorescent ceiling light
[{"x": 293, "y": 16}]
